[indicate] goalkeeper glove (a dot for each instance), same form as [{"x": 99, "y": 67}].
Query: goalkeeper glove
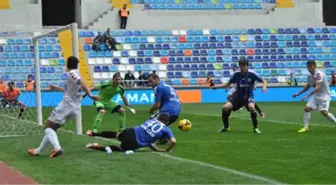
[{"x": 131, "y": 109}]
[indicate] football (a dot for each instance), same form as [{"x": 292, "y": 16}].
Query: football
[{"x": 184, "y": 125}]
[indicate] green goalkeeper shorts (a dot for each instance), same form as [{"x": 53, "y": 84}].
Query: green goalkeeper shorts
[{"x": 110, "y": 106}]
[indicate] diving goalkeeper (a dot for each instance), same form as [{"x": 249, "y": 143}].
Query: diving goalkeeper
[{"x": 107, "y": 91}]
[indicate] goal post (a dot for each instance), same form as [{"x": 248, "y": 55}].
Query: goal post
[
  {"x": 75, "y": 52},
  {"x": 47, "y": 66}
]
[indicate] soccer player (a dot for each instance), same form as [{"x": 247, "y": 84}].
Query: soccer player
[
  {"x": 233, "y": 90},
  {"x": 245, "y": 81},
  {"x": 10, "y": 98},
  {"x": 166, "y": 100},
  {"x": 139, "y": 136},
  {"x": 67, "y": 110},
  {"x": 107, "y": 91},
  {"x": 321, "y": 99}
]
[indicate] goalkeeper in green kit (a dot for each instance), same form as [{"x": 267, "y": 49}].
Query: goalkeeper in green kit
[{"x": 106, "y": 92}]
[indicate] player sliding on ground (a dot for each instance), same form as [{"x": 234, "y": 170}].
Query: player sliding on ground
[
  {"x": 139, "y": 136},
  {"x": 67, "y": 110},
  {"x": 321, "y": 99},
  {"x": 244, "y": 80},
  {"x": 107, "y": 91},
  {"x": 166, "y": 100},
  {"x": 10, "y": 98},
  {"x": 233, "y": 90}
]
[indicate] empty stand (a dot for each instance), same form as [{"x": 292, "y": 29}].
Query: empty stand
[
  {"x": 204, "y": 4},
  {"x": 17, "y": 60}
]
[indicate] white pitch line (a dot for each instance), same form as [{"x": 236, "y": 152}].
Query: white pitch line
[
  {"x": 268, "y": 120},
  {"x": 221, "y": 168}
]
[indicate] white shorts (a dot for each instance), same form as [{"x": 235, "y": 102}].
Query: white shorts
[
  {"x": 319, "y": 104},
  {"x": 63, "y": 113}
]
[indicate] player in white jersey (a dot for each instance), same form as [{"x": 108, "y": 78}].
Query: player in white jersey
[
  {"x": 321, "y": 95},
  {"x": 66, "y": 110}
]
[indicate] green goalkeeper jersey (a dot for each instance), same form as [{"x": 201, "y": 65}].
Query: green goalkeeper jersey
[{"x": 107, "y": 91}]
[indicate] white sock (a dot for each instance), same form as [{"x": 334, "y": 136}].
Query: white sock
[
  {"x": 52, "y": 137},
  {"x": 306, "y": 119},
  {"x": 331, "y": 118},
  {"x": 43, "y": 144}
]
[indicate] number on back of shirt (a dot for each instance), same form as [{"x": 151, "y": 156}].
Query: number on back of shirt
[
  {"x": 152, "y": 127},
  {"x": 172, "y": 91}
]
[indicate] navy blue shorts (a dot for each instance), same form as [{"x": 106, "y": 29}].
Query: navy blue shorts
[{"x": 239, "y": 103}]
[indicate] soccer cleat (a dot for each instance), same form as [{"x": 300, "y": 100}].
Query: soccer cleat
[
  {"x": 89, "y": 133},
  {"x": 224, "y": 129},
  {"x": 262, "y": 115},
  {"x": 33, "y": 152},
  {"x": 256, "y": 130},
  {"x": 303, "y": 130},
  {"x": 56, "y": 153},
  {"x": 93, "y": 146}
]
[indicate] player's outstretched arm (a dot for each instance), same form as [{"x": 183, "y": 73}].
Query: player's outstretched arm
[
  {"x": 56, "y": 88},
  {"x": 125, "y": 100},
  {"x": 171, "y": 144},
  {"x": 303, "y": 90},
  {"x": 227, "y": 85},
  {"x": 88, "y": 91},
  {"x": 264, "y": 86},
  {"x": 317, "y": 88}
]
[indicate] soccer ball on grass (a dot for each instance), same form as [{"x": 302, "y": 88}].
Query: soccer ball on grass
[{"x": 184, "y": 125}]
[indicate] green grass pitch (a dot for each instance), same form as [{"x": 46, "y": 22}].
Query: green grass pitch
[{"x": 201, "y": 156}]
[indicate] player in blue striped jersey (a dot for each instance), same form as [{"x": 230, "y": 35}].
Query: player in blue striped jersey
[{"x": 244, "y": 96}]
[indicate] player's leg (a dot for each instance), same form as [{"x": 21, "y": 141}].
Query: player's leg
[
  {"x": 60, "y": 115},
  {"x": 105, "y": 134},
  {"x": 22, "y": 108},
  {"x": 226, "y": 111},
  {"x": 253, "y": 113},
  {"x": 311, "y": 105},
  {"x": 100, "y": 115},
  {"x": 108, "y": 149},
  {"x": 122, "y": 114},
  {"x": 324, "y": 109},
  {"x": 262, "y": 114}
]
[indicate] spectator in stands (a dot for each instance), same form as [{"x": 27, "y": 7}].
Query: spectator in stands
[
  {"x": 107, "y": 34},
  {"x": 111, "y": 44},
  {"x": 30, "y": 84},
  {"x": 209, "y": 81},
  {"x": 332, "y": 79},
  {"x": 3, "y": 85},
  {"x": 292, "y": 81},
  {"x": 154, "y": 72},
  {"x": 124, "y": 13},
  {"x": 142, "y": 79},
  {"x": 129, "y": 79},
  {"x": 96, "y": 42}
]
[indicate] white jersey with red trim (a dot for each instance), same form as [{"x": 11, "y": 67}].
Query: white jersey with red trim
[
  {"x": 320, "y": 77},
  {"x": 72, "y": 89}
]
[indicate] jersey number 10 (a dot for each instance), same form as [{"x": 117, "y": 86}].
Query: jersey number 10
[{"x": 152, "y": 126}]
